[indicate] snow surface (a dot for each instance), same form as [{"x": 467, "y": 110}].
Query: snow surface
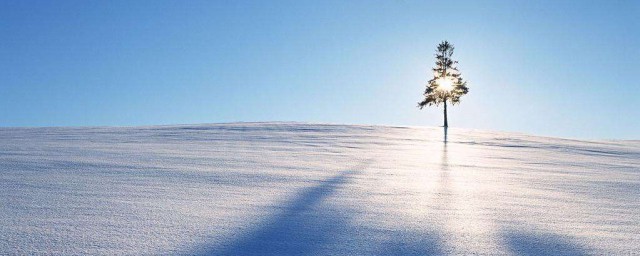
[{"x": 289, "y": 188}]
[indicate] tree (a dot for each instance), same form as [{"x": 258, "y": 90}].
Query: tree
[{"x": 447, "y": 83}]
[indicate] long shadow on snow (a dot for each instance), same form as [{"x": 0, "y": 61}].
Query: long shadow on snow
[
  {"x": 307, "y": 226},
  {"x": 303, "y": 226},
  {"x": 529, "y": 243}
]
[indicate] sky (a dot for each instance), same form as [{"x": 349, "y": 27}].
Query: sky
[{"x": 551, "y": 68}]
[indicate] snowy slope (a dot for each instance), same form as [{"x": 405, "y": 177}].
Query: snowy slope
[{"x": 287, "y": 188}]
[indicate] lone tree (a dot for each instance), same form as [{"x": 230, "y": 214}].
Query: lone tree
[{"x": 447, "y": 83}]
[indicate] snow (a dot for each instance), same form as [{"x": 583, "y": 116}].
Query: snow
[{"x": 291, "y": 188}]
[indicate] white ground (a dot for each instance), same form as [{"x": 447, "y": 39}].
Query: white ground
[{"x": 283, "y": 188}]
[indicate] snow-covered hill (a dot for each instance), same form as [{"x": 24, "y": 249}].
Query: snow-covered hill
[{"x": 287, "y": 188}]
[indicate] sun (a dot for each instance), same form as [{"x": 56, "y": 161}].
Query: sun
[{"x": 445, "y": 84}]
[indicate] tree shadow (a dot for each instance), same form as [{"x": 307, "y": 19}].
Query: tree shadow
[
  {"x": 308, "y": 225},
  {"x": 304, "y": 226},
  {"x": 530, "y": 243}
]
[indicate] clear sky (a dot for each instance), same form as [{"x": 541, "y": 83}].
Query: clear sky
[{"x": 556, "y": 68}]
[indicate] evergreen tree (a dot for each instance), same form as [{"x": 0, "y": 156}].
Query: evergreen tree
[{"x": 447, "y": 83}]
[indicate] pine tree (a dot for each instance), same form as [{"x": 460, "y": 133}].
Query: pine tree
[{"x": 447, "y": 83}]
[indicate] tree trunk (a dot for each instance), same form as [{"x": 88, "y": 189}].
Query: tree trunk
[{"x": 446, "y": 124}]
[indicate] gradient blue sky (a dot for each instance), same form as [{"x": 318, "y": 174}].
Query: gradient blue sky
[{"x": 557, "y": 68}]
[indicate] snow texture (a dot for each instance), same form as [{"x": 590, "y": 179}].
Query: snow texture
[{"x": 290, "y": 188}]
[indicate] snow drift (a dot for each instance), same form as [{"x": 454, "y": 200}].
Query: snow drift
[{"x": 288, "y": 188}]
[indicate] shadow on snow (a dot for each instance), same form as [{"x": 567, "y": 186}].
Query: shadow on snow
[
  {"x": 308, "y": 226},
  {"x": 530, "y": 243}
]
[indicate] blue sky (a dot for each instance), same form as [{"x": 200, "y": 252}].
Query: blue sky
[{"x": 556, "y": 68}]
